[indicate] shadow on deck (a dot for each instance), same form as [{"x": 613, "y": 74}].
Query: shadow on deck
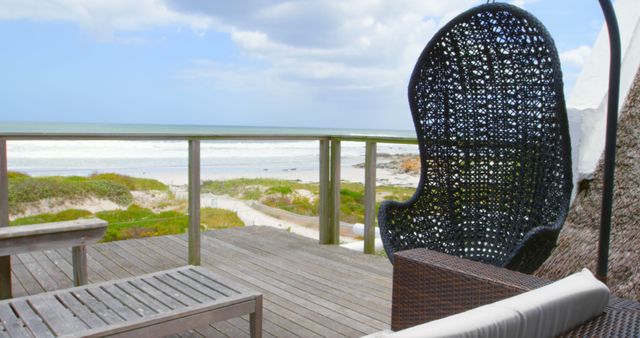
[{"x": 309, "y": 290}]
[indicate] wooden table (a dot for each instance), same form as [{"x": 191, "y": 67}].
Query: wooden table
[{"x": 75, "y": 234}]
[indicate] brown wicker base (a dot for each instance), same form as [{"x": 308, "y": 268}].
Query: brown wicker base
[{"x": 429, "y": 285}]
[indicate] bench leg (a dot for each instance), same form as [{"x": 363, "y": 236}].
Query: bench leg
[
  {"x": 255, "y": 319},
  {"x": 5, "y": 277},
  {"x": 79, "y": 254}
]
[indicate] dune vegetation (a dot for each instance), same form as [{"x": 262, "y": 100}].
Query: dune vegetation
[
  {"x": 25, "y": 189},
  {"x": 128, "y": 221},
  {"x": 302, "y": 198}
]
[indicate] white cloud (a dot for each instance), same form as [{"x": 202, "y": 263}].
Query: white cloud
[
  {"x": 358, "y": 43},
  {"x": 354, "y": 45},
  {"x": 103, "y": 18},
  {"x": 576, "y": 57}
]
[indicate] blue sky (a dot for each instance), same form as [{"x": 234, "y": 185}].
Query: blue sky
[{"x": 312, "y": 63}]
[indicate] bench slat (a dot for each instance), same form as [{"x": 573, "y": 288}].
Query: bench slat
[
  {"x": 208, "y": 290},
  {"x": 31, "y": 319},
  {"x": 3, "y": 333},
  {"x": 184, "y": 289},
  {"x": 82, "y": 311},
  {"x": 143, "y": 297},
  {"x": 57, "y": 317},
  {"x": 128, "y": 301},
  {"x": 175, "y": 294},
  {"x": 202, "y": 279},
  {"x": 98, "y": 308},
  {"x": 157, "y": 294},
  {"x": 11, "y": 323},
  {"x": 114, "y": 304}
]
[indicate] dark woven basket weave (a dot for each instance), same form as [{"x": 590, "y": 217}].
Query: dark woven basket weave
[{"x": 487, "y": 101}]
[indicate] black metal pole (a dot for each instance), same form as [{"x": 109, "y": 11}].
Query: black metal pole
[{"x": 610, "y": 143}]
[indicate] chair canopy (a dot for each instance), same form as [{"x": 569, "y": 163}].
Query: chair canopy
[{"x": 487, "y": 101}]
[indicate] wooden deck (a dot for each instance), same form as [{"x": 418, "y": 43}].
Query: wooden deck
[{"x": 309, "y": 290}]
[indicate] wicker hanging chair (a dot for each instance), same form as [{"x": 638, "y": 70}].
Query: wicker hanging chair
[{"x": 487, "y": 101}]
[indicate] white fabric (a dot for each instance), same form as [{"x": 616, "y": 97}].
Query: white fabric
[{"x": 544, "y": 312}]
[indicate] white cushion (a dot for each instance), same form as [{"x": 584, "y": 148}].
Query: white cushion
[{"x": 545, "y": 312}]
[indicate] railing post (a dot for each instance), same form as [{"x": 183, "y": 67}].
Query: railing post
[
  {"x": 194, "y": 202},
  {"x": 334, "y": 194},
  {"x": 370, "y": 198},
  {"x": 324, "y": 205},
  {"x": 5, "y": 261}
]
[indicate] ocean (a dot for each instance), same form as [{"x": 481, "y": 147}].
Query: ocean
[{"x": 167, "y": 160}]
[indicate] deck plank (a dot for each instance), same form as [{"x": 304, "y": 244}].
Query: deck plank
[
  {"x": 338, "y": 297},
  {"x": 27, "y": 280},
  {"x": 294, "y": 319},
  {"x": 300, "y": 305},
  {"x": 309, "y": 290},
  {"x": 292, "y": 274},
  {"x": 344, "y": 325}
]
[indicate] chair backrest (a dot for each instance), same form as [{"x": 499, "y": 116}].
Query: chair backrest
[{"x": 487, "y": 101}]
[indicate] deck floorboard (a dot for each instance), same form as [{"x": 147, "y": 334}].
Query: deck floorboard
[{"x": 309, "y": 290}]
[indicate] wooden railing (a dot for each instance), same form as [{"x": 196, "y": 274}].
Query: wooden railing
[{"x": 329, "y": 169}]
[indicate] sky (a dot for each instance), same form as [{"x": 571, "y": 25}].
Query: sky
[{"x": 308, "y": 63}]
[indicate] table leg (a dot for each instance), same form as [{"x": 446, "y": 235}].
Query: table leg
[{"x": 79, "y": 265}]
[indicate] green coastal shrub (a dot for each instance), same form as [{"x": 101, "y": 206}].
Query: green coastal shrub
[
  {"x": 133, "y": 183},
  {"x": 297, "y": 204},
  {"x": 66, "y": 215},
  {"x": 278, "y": 193},
  {"x": 352, "y": 206},
  {"x": 25, "y": 189},
  {"x": 15, "y": 176},
  {"x": 137, "y": 222},
  {"x": 215, "y": 218},
  {"x": 110, "y": 190},
  {"x": 237, "y": 187},
  {"x": 252, "y": 194},
  {"x": 279, "y": 189}
]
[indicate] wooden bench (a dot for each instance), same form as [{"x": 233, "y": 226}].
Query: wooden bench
[
  {"x": 75, "y": 234},
  {"x": 152, "y": 305}
]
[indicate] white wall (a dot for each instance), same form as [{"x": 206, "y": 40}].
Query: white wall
[{"x": 587, "y": 101}]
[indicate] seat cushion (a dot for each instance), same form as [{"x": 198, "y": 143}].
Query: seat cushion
[{"x": 544, "y": 312}]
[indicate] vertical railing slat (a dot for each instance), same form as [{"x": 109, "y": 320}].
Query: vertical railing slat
[
  {"x": 370, "y": 198},
  {"x": 335, "y": 192},
  {"x": 324, "y": 205},
  {"x": 194, "y": 202},
  {"x": 5, "y": 261}
]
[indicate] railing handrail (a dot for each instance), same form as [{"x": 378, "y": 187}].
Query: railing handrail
[{"x": 78, "y": 131}]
